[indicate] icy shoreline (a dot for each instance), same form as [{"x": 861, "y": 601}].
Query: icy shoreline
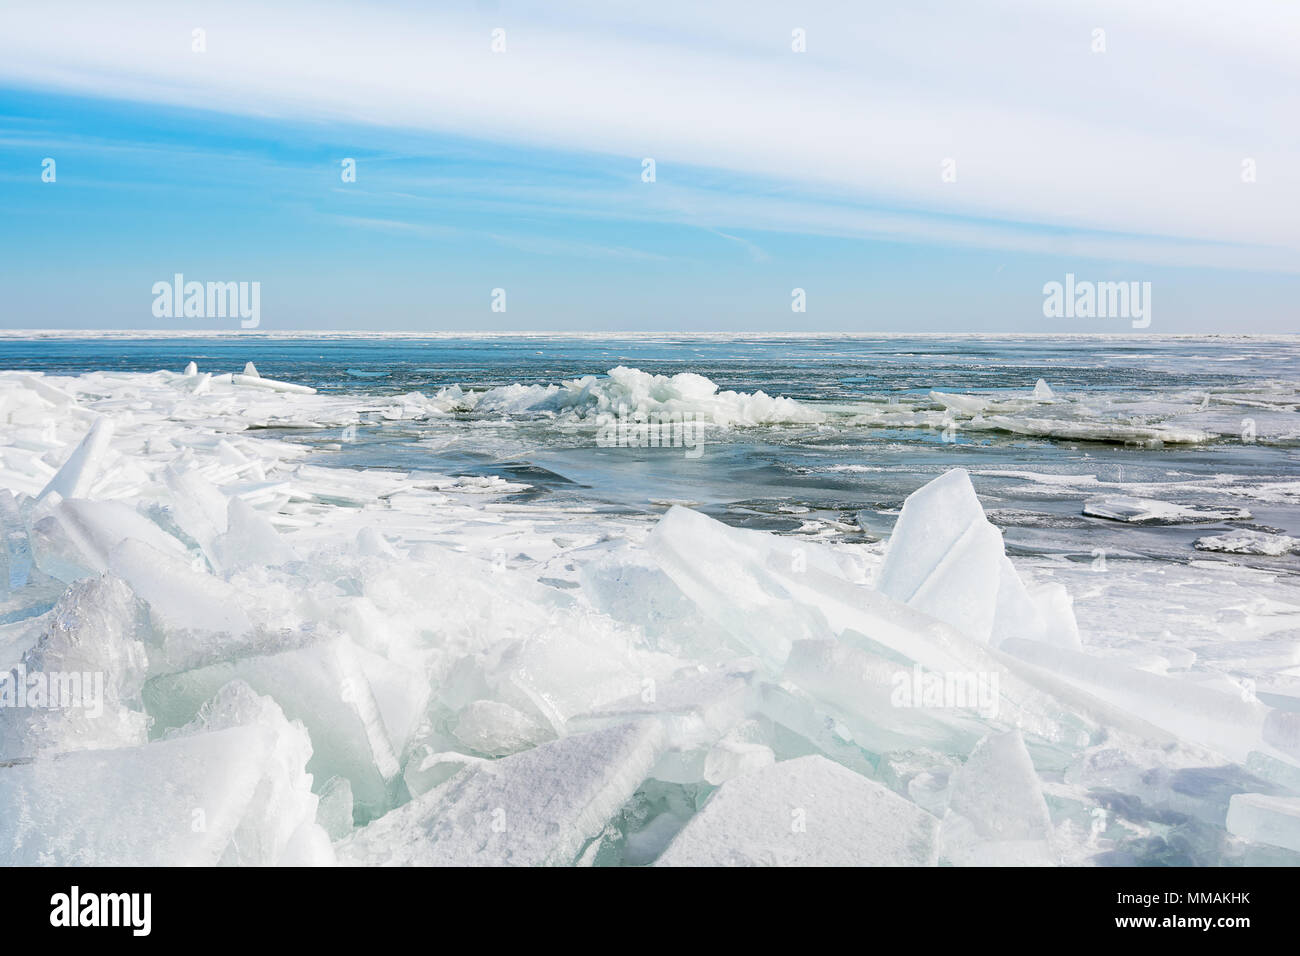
[{"x": 307, "y": 664}]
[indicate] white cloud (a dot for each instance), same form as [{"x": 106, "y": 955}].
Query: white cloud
[{"x": 1145, "y": 140}]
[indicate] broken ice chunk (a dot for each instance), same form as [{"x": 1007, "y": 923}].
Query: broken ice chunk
[
  {"x": 324, "y": 685},
  {"x": 695, "y": 708},
  {"x": 1043, "y": 392},
  {"x": 334, "y": 811},
  {"x": 185, "y": 604},
  {"x": 99, "y": 526},
  {"x": 538, "y": 807},
  {"x": 250, "y": 540},
  {"x": 1246, "y": 541},
  {"x": 1264, "y": 819},
  {"x": 946, "y": 559},
  {"x": 725, "y": 572},
  {"x": 428, "y": 768},
  {"x": 17, "y": 545},
  {"x": 78, "y": 474},
  {"x": 1227, "y": 723},
  {"x": 805, "y": 812},
  {"x": 738, "y": 753},
  {"x": 496, "y": 729},
  {"x": 997, "y": 815},
  {"x": 89, "y": 667},
  {"x": 1153, "y": 511},
  {"x": 226, "y": 796}
]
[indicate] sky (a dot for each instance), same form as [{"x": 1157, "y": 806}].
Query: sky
[{"x": 920, "y": 166}]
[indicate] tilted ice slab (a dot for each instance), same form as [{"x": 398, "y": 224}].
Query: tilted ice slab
[
  {"x": 945, "y": 558},
  {"x": 1232, "y": 725},
  {"x": 805, "y": 812},
  {"x": 535, "y": 808}
]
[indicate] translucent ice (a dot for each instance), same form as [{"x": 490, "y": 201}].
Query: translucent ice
[
  {"x": 1264, "y": 819},
  {"x": 324, "y": 685}
]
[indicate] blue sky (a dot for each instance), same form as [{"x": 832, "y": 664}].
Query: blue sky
[{"x": 521, "y": 169}]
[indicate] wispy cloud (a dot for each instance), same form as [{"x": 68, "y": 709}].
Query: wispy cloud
[{"x": 1137, "y": 151}]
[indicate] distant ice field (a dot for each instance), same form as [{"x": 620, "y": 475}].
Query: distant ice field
[{"x": 1207, "y": 423}]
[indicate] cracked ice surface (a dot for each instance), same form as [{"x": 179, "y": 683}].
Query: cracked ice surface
[{"x": 282, "y": 662}]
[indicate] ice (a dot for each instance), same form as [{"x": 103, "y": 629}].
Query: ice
[
  {"x": 97, "y": 527},
  {"x": 947, "y": 560},
  {"x": 17, "y": 543},
  {"x": 197, "y": 506},
  {"x": 535, "y": 808},
  {"x": 1043, "y": 392},
  {"x": 327, "y": 687},
  {"x": 1232, "y": 725},
  {"x": 740, "y": 752},
  {"x": 496, "y": 729},
  {"x": 270, "y": 384},
  {"x": 428, "y": 768},
  {"x": 1153, "y": 511},
  {"x": 997, "y": 815},
  {"x": 250, "y": 540},
  {"x": 334, "y": 809},
  {"x": 191, "y": 369},
  {"x": 694, "y": 708},
  {"x": 77, "y": 476},
  {"x": 232, "y": 792},
  {"x": 47, "y": 391},
  {"x": 195, "y": 613},
  {"x": 805, "y": 812},
  {"x": 1260, "y": 818},
  {"x": 251, "y": 370},
  {"x": 1247, "y": 541},
  {"x": 738, "y": 592},
  {"x": 92, "y": 664}
]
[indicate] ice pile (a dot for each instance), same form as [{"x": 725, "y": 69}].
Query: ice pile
[
  {"x": 623, "y": 392},
  {"x": 221, "y": 652}
]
